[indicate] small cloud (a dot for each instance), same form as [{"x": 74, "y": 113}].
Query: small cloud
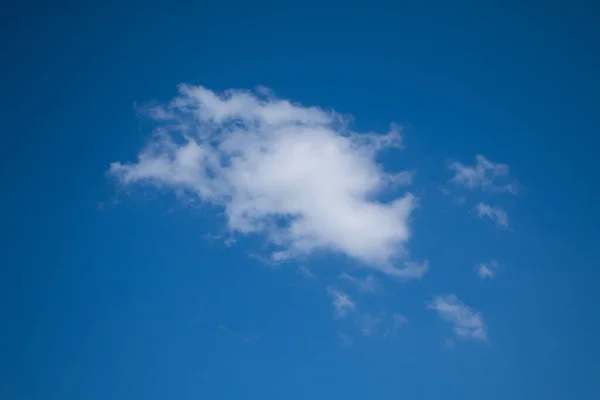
[
  {"x": 467, "y": 323},
  {"x": 242, "y": 338},
  {"x": 227, "y": 241},
  {"x": 460, "y": 200},
  {"x": 249, "y": 339},
  {"x": 398, "y": 320},
  {"x": 369, "y": 323},
  {"x": 496, "y": 214},
  {"x": 341, "y": 302},
  {"x": 485, "y": 272},
  {"x": 483, "y": 175},
  {"x": 401, "y": 178},
  {"x": 449, "y": 343},
  {"x": 226, "y": 330},
  {"x": 488, "y": 270},
  {"x": 345, "y": 340},
  {"x": 266, "y": 261},
  {"x": 369, "y": 284},
  {"x": 411, "y": 270},
  {"x": 212, "y": 236},
  {"x": 103, "y": 205},
  {"x": 306, "y": 273}
]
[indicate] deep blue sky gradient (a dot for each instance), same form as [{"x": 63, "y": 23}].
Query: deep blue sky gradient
[{"x": 125, "y": 301}]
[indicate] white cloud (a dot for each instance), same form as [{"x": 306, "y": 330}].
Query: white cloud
[
  {"x": 483, "y": 175},
  {"x": 342, "y": 303},
  {"x": 496, "y": 214},
  {"x": 467, "y": 323},
  {"x": 296, "y": 174},
  {"x": 485, "y": 272},
  {"x": 488, "y": 270}
]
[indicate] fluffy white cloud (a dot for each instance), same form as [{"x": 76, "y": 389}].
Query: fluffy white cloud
[
  {"x": 496, "y": 214},
  {"x": 467, "y": 323},
  {"x": 296, "y": 174},
  {"x": 342, "y": 303},
  {"x": 488, "y": 270},
  {"x": 483, "y": 175}
]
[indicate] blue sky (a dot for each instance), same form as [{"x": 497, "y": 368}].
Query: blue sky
[{"x": 333, "y": 200}]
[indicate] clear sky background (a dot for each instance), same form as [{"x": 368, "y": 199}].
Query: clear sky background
[{"x": 261, "y": 255}]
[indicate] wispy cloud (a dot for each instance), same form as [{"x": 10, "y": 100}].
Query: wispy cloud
[
  {"x": 243, "y": 338},
  {"x": 344, "y": 339},
  {"x": 306, "y": 273},
  {"x": 488, "y": 270},
  {"x": 412, "y": 270},
  {"x": 459, "y": 200},
  {"x": 296, "y": 174},
  {"x": 342, "y": 303},
  {"x": 484, "y": 175},
  {"x": 369, "y": 323},
  {"x": 369, "y": 284},
  {"x": 398, "y": 320},
  {"x": 467, "y": 323},
  {"x": 496, "y": 214},
  {"x": 227, "y": 241}
]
